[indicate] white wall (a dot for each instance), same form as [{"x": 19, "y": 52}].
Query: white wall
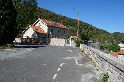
[
  {"x": 121, "y": 46},
  {"x": 28, "y": 33},
  {"x": 43, "y": 26}
]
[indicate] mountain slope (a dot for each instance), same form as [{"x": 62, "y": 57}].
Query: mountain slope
[
  {"x": 94, "y": 33},
  {"x": 118, "y": 37},
  {"x": 24, "y": 19}
]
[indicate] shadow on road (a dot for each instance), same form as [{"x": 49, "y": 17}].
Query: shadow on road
[{"x": 28, "y": 46}]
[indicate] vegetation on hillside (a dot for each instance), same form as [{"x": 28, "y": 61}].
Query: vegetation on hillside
[
  {"x": 119, "y": 37},
  {"x": 86, "y": 31},
  {"x": 27, "y": 13}
]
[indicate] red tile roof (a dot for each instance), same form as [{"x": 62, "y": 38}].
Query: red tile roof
[
  {"x": 38, "y": 29},
  {"x": 74, "y": 36},
  {"x": 121, "y": 52},
  {"x": 114, "y": 54},
  {"x": 54, "y": 24}
]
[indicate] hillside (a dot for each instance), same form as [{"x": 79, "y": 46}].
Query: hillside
[
  {"x": 27, "y": 14},
  {"x": 92, "y": 32},
  {"x": 118, "y": 37}
]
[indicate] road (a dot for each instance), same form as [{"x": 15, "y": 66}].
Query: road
[{"x": 45, "y": 64}]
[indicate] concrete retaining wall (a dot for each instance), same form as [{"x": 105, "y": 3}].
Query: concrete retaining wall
[
  {"x": 57, "y": 42},
  {"x": 106, "y": 63}
]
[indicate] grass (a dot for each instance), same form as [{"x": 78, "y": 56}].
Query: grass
[
  {"x": 6, "y": 46},
  {"x": 105, "y": 76},
  {"x": 97, "y": 69},
  {"x": 82, "y": 51},
  {"x": 89, "y": 58}
]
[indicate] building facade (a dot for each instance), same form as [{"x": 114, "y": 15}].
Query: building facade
[{"x": 50, "y": 32}]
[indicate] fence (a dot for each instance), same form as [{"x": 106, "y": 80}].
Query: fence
[{"x": 31, "y": 41}]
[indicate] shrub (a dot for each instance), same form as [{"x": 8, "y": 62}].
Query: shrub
[
  {"x": 6, "y": 46},
  {"x": 82, "y": 50},
  {"x": 77, "y": 42}
]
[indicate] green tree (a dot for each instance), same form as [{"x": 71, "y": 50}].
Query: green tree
[
  {"x": 26, "y": 10},
  {"x": 85, "y": 37},
  {"x": 8, "y": 15},
  {"x": 114, "y": 48}
]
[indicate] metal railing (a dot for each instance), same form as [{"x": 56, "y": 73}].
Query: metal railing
[{"x": 31, "y": 41}]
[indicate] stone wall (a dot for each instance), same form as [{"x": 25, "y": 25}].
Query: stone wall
[
  {"x": 57, "y": 42},
  {"x": 106, "y": 63}
]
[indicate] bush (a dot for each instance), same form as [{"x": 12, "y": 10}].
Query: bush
[
  {"x": 77, "y": 42},
  {"x": 6, "y": 46}
]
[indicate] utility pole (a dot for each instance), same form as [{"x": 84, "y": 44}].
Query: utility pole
[{"x": 78, "y": 26}]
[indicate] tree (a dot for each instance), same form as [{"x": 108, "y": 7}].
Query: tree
[
  {"x": 8, "y": 15},
  {"x": 26, "y": 10},
  {"x": 85, "y": 36},
  {"x": 114, "y": 48}
]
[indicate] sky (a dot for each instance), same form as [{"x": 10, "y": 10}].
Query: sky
[{"x": 103, "y": 14}]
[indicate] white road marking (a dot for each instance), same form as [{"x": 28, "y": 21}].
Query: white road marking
[
  {"x": 62, "y": 64},
  {"x": 58, "y": 69},
  {"x": 55, "y": 75},
  {"x": 70, "y": 50},
  {"x": 76, "y": 61},
  {"x": 70, "y": 58}
]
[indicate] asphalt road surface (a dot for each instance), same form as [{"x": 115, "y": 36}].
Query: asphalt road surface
[{"x": 45, "y": 64}]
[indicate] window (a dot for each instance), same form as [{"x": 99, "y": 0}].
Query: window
[
  {"x": 58, "y": 31},
  {"x": 64, "y": 32},
  {"x": 51, "y": 30},
  {"x": 54, "y": 23}
]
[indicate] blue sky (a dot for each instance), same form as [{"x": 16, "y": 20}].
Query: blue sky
[{"x": 104, "y": 14}]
